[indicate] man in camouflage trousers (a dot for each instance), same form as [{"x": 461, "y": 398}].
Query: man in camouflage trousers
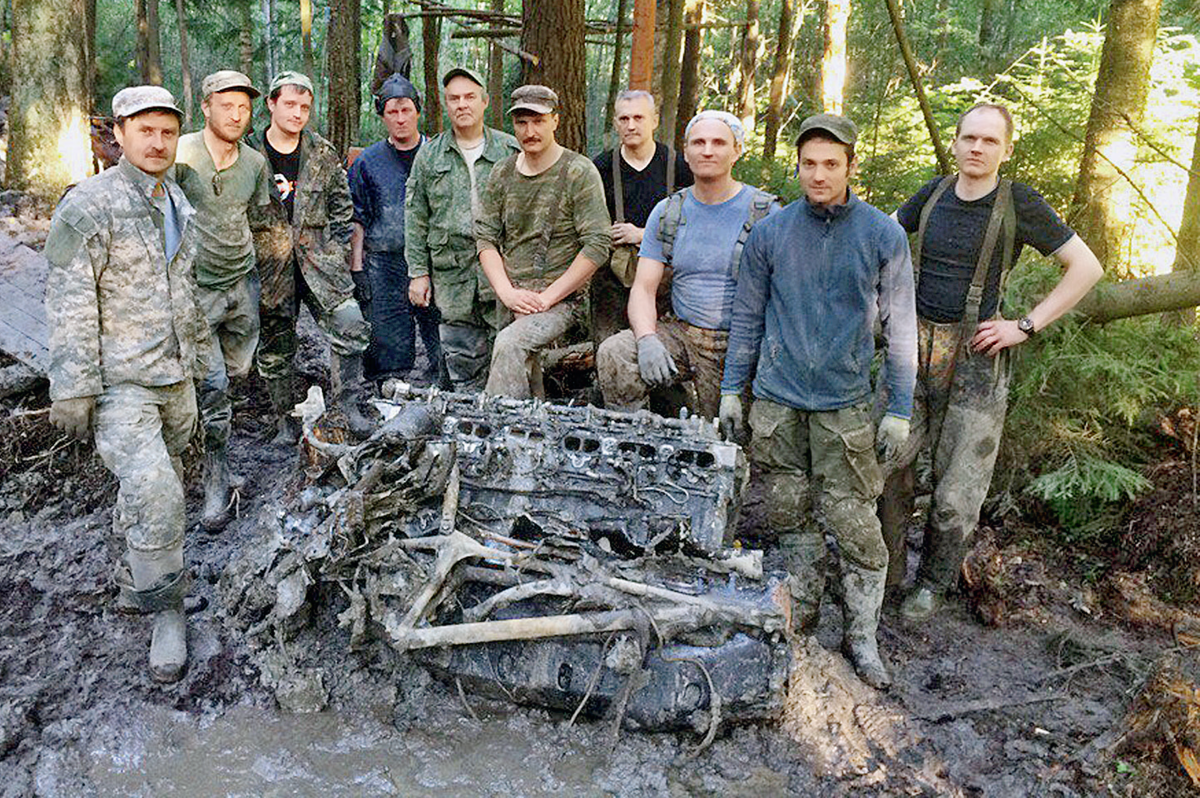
[
  {"x": 448, "y": 175},
  {"x": 227, "y": 182},
  {"x": 127, "y": 338},
  {"x": 304, "y": 256},
  {"x": 541, "y": 232}
]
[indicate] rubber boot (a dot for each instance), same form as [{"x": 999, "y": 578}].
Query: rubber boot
[
  {"x": 896, "y": 506},
  {"x": 350, "y": 392},
  {"x": 168, "y": 645},
  {"x": 217, "y": 494},
  {"x": 804, "y": 557},
  {"x": 287, "y": 428},
  {"x": 863, "y": 598}
]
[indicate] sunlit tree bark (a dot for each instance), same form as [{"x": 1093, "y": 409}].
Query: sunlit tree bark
[
  {"x": 689, "y": 69},
  {"x": 833, "y": 63},
  {"x": 671, "y": 68},
  {"x": 751, "y": 42},
  {"x": 779, "y": 76},
  {"x": 149, "y": 48}
]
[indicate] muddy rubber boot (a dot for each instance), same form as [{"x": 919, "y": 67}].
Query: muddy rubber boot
[
  {"x": 217, "y": 495},
  {"x": 350, "y": 393},
  {"x": 168, "y": 646},
  {"x": 863, "y": 598},
  {"x": 287, "y": 428},
  {"x": 804, "y": 557}
]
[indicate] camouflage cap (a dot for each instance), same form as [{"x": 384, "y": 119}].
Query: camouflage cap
[
  {"x": 841, "y": 128},
  {"x": 466, "y": 72},
  {"x": 227, "y": 80},
  {"x": 534, "y": 98},
  {"x": 133, "y": 100},
  {"x": 291, "y": 78}
]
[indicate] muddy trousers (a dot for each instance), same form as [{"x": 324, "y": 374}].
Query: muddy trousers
[
  {"x": 959, "y": 405},
  {"x": 516, "y": 370},
  {"x": 467, "y": 349},
  {"x": 395, "y": 321},
  {"x": 699, "y": 354},
  {"x": 819, "y": 464},
  {"x": 140, "y": 434},
  {"x": 232, "y": 317}
]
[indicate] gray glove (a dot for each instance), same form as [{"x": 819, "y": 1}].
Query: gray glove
[
  {"x": 73, "y": 416},
  {"x": 890, "y": 438},
  {"x": 729, "y": 417},
  {"x": 654, "y": 361}
]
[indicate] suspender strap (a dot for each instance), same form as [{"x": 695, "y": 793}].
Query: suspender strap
[
  {"x": 560, "y": 188},
  {"x": 927, "y": 209},
  {"x": 1000, "y": 209},
  {"x": 618, "y": 189},
  {"x": 670, "y": 169}
]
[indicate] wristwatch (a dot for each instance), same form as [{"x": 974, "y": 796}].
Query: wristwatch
[{"x": 1025, "y": 325}]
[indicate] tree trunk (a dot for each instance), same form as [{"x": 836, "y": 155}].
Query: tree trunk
[
  {"x": 987, "y": 15},
  {"x": 939, "y": 149},
  {"x": 748, "y": 65},
  {"x": 268, "y": 11},
  {"x": 1160, "y": 293},
  {"x": 345, "y": 81},
  {"x": 306, "y": 23},
  {"x": 89, "y": 56},
  {"x": 641, "y": 51},
  {"x": 431, "y": 41},
  {"x": 779, "y": 76},
  {"x": 1187, "y": 250},
  {"x": 149, "y": 49},
  {"x": 1103, "y": 199},
  {"x": 496, "y": 74},
  {"x": 49, "y": 144},
  {"x": 614, "y": 80},
  {"x": 552, "y": 30},
  {"x": 689, "y": 70},
  {"x": 671, "y": 69},
  {"x": 833, "y": 62},
  {"x": 246, "y": 37},
  {"x": 185, "y": 65}
]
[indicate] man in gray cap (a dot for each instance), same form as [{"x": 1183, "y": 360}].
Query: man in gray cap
[
  {"x": 448, "y": 176},
  {"x": 228, "y": 183},
  {"x": 813, "y": 280},
  {"x": 127, "y": 337},
  {"x": 542, "y": 230},
  {"x": 377, "y": 181},
  {"x": 304, "y": 256}
]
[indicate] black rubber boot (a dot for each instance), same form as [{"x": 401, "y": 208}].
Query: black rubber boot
[
  {"x": 218, "y": 497},
  {"x": 351, "y": 394},
  {"x": 287, "y": 428}
]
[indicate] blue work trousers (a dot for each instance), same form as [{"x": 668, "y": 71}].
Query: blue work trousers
[{"x": 395, "y": 321}]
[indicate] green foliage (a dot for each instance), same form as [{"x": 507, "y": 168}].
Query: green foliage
[{"x": 1082, "y": 491}]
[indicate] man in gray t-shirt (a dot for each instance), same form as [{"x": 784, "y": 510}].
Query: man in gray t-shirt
[{"x": 698, "y": 234}]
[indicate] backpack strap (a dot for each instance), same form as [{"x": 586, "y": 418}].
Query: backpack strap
[
  {"x": 560, "y": 190},
  {"x": 669, "y": 222},
  {"x": 760, "y": 206}
]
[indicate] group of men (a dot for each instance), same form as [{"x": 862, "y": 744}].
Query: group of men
[{"x": 190, "y": 259}]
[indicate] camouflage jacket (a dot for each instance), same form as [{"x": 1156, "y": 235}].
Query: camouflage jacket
[
  {"x": 439, "y": 225},
  {"x": 118, "y": 312},
  {"x": 318, "y": 237}
]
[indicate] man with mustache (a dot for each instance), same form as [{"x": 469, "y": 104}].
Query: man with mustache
[{"x": 542, "y": 231}]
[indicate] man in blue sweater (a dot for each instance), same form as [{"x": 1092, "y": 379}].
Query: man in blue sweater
[{"x": 814, "y": 277}]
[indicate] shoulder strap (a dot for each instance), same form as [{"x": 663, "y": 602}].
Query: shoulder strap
[
  {"x": 618, "y": 189},
  {"x": 560, "y": 188},
  {"x": 760, "y": 206},
  {"x": 926, "y": 209},
  {"x": 1001, "y": 209},
  {"x": 669, "y": 222}
]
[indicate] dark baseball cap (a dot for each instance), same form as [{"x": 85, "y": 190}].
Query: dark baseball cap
[
  {"x": 466, "y": 72},
  {"x": 839, "y": 127},
  {"x": 395, "y": 87},
  {"x": 534, "y": 98}
]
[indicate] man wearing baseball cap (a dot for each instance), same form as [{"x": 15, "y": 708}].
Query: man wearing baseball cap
[
  {"x": 442, "y": 201},
  {"x": 304, "y": 256},
  {"x": 541, "y": 233},
  {"x": 814, "y": 278},
  {"x": 228, "y": 183},
  {"x": 127, "y": 337},
  {"x": 377, "y": 181}
]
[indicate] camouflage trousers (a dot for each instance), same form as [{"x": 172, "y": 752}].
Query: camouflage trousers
[
  {"x": 467, "y": 350},
  {"x": 515, "y": 369},
  {"x": 822, "y": 461},
  {"x": 344, "y": 325},
  {"x": 959, "y": 405},
  {"x": 140, "y": 434},
  {"x": 699, "y": 354},
  {"x": 232, "y": 317}
]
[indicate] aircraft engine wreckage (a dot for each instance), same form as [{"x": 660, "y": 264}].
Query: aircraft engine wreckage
[{"x": 567, "y": 557}]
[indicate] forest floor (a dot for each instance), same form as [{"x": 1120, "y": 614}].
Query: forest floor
[{"x": 1048, "y": 675}]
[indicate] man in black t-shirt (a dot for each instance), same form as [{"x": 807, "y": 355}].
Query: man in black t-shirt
[
  {"x": 644, "y": 181},
  {"x": 970, "y": 228}
]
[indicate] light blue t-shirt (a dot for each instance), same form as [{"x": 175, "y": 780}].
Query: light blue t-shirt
[{"x": 702, "y": 286}]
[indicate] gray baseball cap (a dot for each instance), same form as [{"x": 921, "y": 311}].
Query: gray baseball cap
[
  {"x": 291, "y": 78},
  {"x": 841, "y": 128},
  {"x": 227, "y": 80},
  {"x": 535, "y": 98},
  {"x": 466, "y": 72},
  {"x": 133, "y": 100}
]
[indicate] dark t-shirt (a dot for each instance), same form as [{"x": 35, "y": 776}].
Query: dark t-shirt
[
  {"x": 952, "y": 240},
  {"x": 641, "y": 191},
  {"x": 285, "y": 170}
]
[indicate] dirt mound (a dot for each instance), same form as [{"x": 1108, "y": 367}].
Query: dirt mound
[{"x": 1162, "y": 534}]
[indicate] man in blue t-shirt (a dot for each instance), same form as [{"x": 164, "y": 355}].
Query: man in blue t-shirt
[{"x": 698, "y": 233}]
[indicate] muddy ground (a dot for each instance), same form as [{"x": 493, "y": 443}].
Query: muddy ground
[{"x": 1030, "y": 703}]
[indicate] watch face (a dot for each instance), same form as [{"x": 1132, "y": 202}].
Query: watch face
[{"x": 1025, "y": 326}]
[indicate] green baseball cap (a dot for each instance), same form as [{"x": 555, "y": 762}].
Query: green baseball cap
[
  {"x": 291, "y": 78},
  {"x": 534, "y": 98},
  {"x": 841, "y": 128},
  {"x": 466, "y": 72}
]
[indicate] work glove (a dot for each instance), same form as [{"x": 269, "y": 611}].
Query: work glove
[
  {"x": 73, "y": 416},
  {"x": 654, "y": 361},
  {"x": 729, "y": 417},
  {"x": 362, "y": 288},
  {"x": 892, "y": 434}
]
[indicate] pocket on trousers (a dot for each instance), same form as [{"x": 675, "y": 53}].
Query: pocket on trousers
[{"x": 858, "y": 444}]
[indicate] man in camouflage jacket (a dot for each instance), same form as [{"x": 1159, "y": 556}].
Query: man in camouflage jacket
[
  {"x": 304, "y": 255},
  {"x": 127, "y": 339}
]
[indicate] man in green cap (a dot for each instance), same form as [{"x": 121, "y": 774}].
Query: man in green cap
[
  {"x": 227, "y": 181},
  {"x": 304, "y": 256},
  {"x": 447, "y": 177}
]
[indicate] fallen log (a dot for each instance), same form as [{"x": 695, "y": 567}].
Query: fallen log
[{"x": 1158, "y": 293}]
